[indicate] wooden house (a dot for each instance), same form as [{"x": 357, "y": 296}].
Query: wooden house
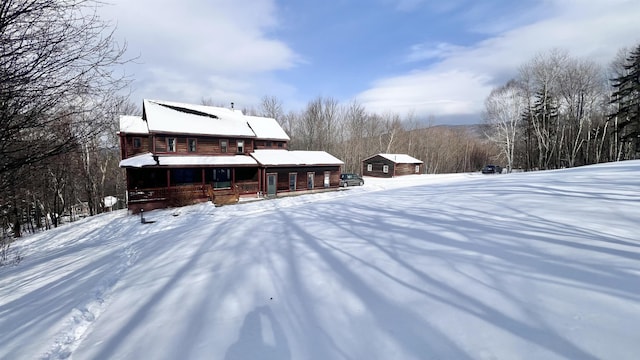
[
  {"x": 176, "y": 154},
  {"x": 391, "y": 165}
]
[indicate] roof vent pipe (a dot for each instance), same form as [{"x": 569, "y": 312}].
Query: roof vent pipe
[{"x": 232, "y": 105}]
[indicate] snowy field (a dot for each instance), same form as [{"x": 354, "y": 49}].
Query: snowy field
[{"x": 521, "y": 266}]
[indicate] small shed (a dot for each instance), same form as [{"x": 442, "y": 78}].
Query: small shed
[{"x": 391, "y": 165}]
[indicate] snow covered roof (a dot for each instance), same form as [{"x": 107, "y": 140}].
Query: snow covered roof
[
  {"x": 298, "y": 157},
  {"x": 133, "y": 125},
  {"x": 188, "y": 160},
  {"x": 398, "y": 158},
  {"x": 141, "y": 160},
  {"x": 266, "y": 128},
  {"x": 203, "y": 160},
  {"x": 177, "y": 118},
  {"x": 180, "y": 118}
]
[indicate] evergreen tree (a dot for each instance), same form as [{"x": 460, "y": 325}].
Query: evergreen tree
[{"x": 626, "y": 99}]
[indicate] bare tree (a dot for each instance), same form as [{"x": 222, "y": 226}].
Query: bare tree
[
  {"x": 57, "y": 58},
  {"x": 503, "y": 113}
]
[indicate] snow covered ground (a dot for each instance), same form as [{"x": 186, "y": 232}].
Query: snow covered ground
[{"x": 522, "y": 266}]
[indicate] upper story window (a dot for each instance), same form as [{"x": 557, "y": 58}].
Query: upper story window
[
  {"x": 240, "y": 146},
  {"x": 192, "y": 145},
  {"x": 171, "y": 144},
  {"x": 223, "y": 146},
  {"x": 137, "y": 143}
]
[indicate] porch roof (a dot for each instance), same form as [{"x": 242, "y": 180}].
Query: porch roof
[
  {"x": 204, "y": 160},
  {"x": 188, "y": 160},
  {"x": 296, "y": 157}
]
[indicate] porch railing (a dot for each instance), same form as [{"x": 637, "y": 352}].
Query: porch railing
[
  {"x": 163, "y": 193},
  {"x": 248, "y": 187},
  {"x": 193, "y": 191}
]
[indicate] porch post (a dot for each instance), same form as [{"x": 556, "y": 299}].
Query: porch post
[{"x": 168, "y": 178}]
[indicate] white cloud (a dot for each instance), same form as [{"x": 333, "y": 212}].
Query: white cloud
[
  {"x": 461, "y": 78},
  {"x": 183, "y": 45}
]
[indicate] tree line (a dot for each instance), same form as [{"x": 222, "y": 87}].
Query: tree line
[
  {"x": 352, "y": 134},
  {"x": 561, "y": 111},
  {"x": 60, "y": 82}
]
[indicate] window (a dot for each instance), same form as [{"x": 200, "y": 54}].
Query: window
[
  {"x": 137, "y": 143},
  {"x": 417, "y": 169},
  {"x": 293, "y": 178},
  {"x": 280, "y": 144},
  {"x": 269, "y": 144},
  {"x": 223, "y": 146},
  {"x": 385, "y": 169},
  {"x": 369, "y": 167},
  {"x": 310, "y": 176},
  {"x": 240, "y": 146},
  {"x": 191, "y": 145},
  {"x": 171, "y": 144}
]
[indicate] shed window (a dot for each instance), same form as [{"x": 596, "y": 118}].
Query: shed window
[
  {"x": 369, "y": 167},
  {"x": 417, "y": 169},
  {"x": 137, "y": 143},
  {"x": 171, "y": 144},
  {"x": 385, "y": 169}
]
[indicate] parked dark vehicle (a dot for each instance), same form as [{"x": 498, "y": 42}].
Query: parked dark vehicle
[
  {"x": 492, "y": 169},
  {"x": 351, "y": 180}
]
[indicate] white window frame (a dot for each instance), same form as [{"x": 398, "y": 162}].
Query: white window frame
[
  {"x": 240, "y": 146},
  {"x": 385, "y": 169},
  {"x": 417, "y": 169},
  {"x": 172, "y": 144},
  {"x": 369, "y": 167},
  {"x": 195, "y": 144},
  {"x": 225, "y": 148}
]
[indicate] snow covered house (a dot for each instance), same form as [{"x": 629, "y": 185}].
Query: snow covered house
[
  {"x": 178, "y": 153},
  {"x": 391, "y": 165}
]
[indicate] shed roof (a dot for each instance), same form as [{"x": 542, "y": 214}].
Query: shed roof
[{"x": 398, "y": 158}]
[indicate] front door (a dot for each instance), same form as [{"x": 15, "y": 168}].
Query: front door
[{"x": 272, "y": 180}]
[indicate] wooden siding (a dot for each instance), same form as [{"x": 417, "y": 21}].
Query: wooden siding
[
  {"x": 301, "y": 181},
  {"x": 130, "y": 150},
  {"x": 204, "y": 145},
  {"x": 267, "y": 144},
  {"x": 395, "y": 169}
]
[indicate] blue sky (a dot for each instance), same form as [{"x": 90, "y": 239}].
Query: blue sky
[{"x": 426, "y": 58}]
